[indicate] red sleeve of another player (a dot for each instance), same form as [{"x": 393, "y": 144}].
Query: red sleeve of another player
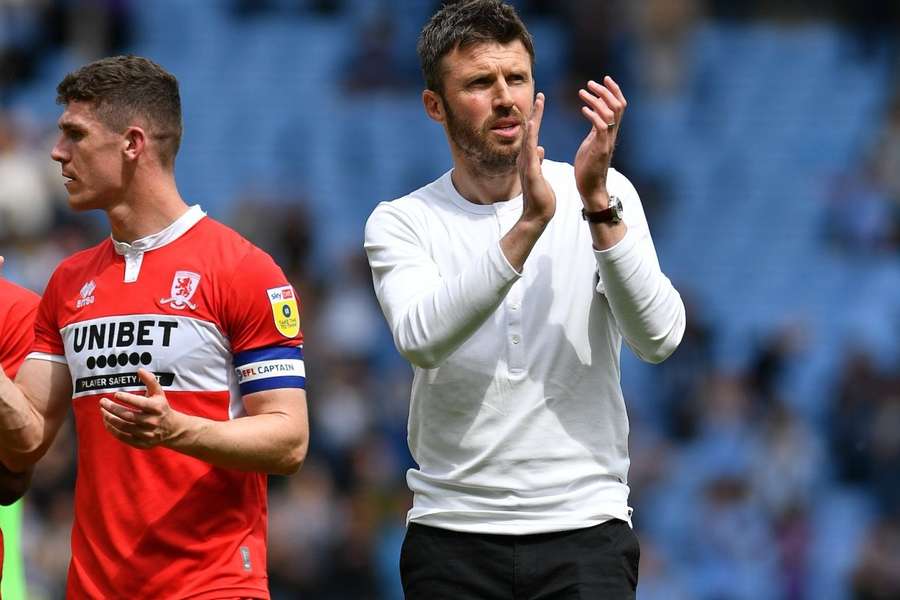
[
  {"x": 47, "y": 338},
  {"x": 17, "y": 331},
  {"x": 261, "y": 307}
]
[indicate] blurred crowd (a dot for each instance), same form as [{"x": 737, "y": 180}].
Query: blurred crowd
[{"x": 737, "y": 493}]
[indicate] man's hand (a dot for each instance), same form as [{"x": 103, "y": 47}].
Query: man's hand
[
  {"x": 604, "y": 108},
  {"x": 538, "y": 199},
  {"x": 141, "y": 421}
]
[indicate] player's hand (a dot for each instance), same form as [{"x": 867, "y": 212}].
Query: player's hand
[
  {"x": 538, "y": 198},
  {"x": 140, "y": 421},
  {"x": 604, "y": 104}
]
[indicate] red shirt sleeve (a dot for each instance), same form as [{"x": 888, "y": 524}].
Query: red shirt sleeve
[
  {"x": 18, "y": 307},
  {"x": 47, "y": 338},
  {"x": 261, "y": 307}
]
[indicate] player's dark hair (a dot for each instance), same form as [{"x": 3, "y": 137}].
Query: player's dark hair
[
  {"x": 123, "y": 88},
  {"x": 463, "y": 23}
]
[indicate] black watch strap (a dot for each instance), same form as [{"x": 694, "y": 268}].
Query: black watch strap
[
  {"x": 611, "y": 214},
  {"x": 606, "y": 215}
]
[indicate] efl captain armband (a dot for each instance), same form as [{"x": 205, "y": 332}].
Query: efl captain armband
[{"x": 270, "y": 368}]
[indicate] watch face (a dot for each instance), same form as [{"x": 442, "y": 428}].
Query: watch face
[{"x": 616, "y": 205}]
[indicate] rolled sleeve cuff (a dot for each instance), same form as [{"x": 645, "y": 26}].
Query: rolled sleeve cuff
[
  {"x": 616, "y": 253},
  {"x": 501, "y": 265}
]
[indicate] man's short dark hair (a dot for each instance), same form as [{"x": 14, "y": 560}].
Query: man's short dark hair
[
  {"x": 122, "y": 88},
  {"x": 464, "y": 23}
]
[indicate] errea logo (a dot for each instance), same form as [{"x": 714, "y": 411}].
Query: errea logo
[{"x": 86, "y": 295}]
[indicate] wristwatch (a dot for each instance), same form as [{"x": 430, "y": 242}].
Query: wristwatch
[{"x": 612, "y": 214}]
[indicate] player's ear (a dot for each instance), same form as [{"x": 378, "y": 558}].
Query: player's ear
[
  {"x": 133, "y": 143},
  {"x": 434, "y": 106}
]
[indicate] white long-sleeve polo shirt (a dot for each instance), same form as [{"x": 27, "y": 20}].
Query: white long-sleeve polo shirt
[{"x": 517, "y": 420}]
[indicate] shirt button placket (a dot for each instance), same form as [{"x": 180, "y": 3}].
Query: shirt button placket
[
  {"x": 514, "y": 337},
  {"x": 514, "y": 328}
]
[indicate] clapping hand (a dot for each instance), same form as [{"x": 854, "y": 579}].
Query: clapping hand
[
  {"x": 604, "y": 108},
  {"x": 539, "y": 200}
]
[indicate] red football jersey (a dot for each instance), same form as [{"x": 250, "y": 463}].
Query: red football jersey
[
  {"x": 18, "y": 307},
  {"x": 214, "y": 318}
]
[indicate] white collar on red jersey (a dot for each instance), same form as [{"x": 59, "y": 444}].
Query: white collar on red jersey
[
  {"x": 134, "y": 252},
  {"x": 168, "y": 235}
]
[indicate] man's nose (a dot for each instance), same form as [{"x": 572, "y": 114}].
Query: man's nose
[
  {"x": 57, "y": 152},
  {"x": 502, "y": 96}
]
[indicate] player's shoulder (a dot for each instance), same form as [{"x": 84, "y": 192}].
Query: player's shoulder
[
  {"x": 15, "y": 295},
  {"x": 420, "y": 199},
  {"x": 413, "y": 209},
  {"x": 210, "y": 231},
  {"x": 76, "y": 264},
  {"x": 223, "y": 245},
  {"x": 226, "y": 250}
]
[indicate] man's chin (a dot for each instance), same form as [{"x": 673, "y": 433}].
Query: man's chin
[
  {"x": 82, "y": 204},
  {"x": 504, "y": 155}
]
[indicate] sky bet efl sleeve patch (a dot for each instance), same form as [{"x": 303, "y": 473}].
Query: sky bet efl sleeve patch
[
  {"x": 285, "y": 311},
  {"x": 270, "y": 368}
]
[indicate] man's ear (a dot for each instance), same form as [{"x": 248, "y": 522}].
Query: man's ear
[
  {"x": 135, "y": 142},
  {"x": 434, "y": 106}
]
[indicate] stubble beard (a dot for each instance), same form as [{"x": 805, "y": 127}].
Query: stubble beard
[{"x": 486, "y": 157}]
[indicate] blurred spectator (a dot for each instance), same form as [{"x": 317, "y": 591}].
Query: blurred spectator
[
  {"x": 660, "y": 579},
  {"x": 788, "y": 467},
  {"x": 305, "y": 518},
  {"x": 349, "y": 325},
  {"x": 874, "y": 24},
  {"x": 49, "y": 509},
  {"x": 772, "y": 360},
  {"x": 886, "y": 448},
  {"x": 340, "y": 411},
  {"x": 877, "y": 573},
  {"x": 872, "y": 189},
  {"x": 597, "y": 34},
  {"x": 887, "y": 163},
  {"x": 732, "y": 551},
  {"x": 281, "y": 227},
  {"x": 31, "y": 28},
  {"x": 865, "y": 436},
  {"x": 663, "y": 30},
  {"x": 96, "y": 28},
  {"x": 684, "y": 374},
  {"x": 787, "y": 474},
  {"x": 874, "y": 227},
  {"x": 26, "y": 202},
  {"x": 21, "y": 39},
  {"x": 373, "y": 64}
]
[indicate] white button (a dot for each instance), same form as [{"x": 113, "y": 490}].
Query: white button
[
  {"x": 514, "y": 307},
  {"x": 516, "y": 339}
]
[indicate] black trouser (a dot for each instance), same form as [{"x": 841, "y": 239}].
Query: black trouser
[{"x": 598, "y": 562}]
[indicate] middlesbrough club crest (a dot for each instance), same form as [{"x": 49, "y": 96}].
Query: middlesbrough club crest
[{"x": 183, "y": 287}]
